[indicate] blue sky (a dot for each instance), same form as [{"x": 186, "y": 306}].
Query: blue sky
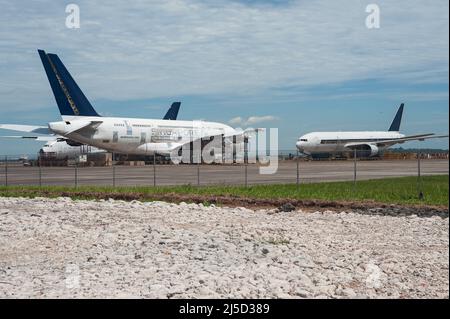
[{"x": 300, "y": 66}]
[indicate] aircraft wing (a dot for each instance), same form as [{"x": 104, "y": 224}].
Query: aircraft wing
[
  {"x": 390, "y": 142},
  {"x": 26, "y": 128},
  {"x": 84, "y": 125},
  {"x": 248, "y": 133},
  {"x": 239, "y": 135},
  {"x": 36, "y": 138}
]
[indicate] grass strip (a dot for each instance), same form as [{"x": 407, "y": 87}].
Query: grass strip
[{"x": 401, "y": 191}]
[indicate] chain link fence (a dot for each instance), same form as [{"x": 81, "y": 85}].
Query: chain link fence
[{"x": 293, "y": 168}]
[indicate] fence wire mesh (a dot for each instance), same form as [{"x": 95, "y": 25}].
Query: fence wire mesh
[{"x": 293, "y": 168}]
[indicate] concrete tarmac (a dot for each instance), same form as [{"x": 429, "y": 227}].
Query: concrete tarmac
[{"x": 319, "y": 171}]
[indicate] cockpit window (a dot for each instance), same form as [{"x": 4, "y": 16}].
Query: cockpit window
[{"x": 303, "y": 140}]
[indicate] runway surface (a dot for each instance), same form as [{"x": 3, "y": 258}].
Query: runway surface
[{"x": 217, "y": 174}]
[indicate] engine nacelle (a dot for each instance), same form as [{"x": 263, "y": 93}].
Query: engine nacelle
[
  {"x": 367, "y": 150},
  {"x": 374, "y": 150}
]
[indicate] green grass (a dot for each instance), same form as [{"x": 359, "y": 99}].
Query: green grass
[{"x": 390, "y": 190}]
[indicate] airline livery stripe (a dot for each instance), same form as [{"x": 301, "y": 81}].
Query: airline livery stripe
[{"x": 63, "y": 87}]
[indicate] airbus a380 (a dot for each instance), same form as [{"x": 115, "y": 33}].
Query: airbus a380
[
  {"x": 366, "y": 143},
  {"x": 82, "y": 124},
  {"x": 59, "y": 147}
]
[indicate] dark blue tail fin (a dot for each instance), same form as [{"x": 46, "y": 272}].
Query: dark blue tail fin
[
  {"x": 395, "y": 126},
  {"x": 172, "y": 113},
  {"x": 68, "y": 96}
]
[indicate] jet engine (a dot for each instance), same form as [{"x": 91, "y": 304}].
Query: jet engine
[
  {"x": 367, "y": 150},
  {"x": 373, "y": 150}
]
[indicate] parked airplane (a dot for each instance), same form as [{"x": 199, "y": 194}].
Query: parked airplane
[
  {"x": 59, "y": 147},
  {"x": 82, "y": 124},
  {"x": 64, "y": 149},
  {"x": 366, "y": 143}
]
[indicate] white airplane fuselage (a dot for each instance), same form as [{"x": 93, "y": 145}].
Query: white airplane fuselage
[
  {"x": 61, "y": 150},
  {"x": 137, "y": 136},
  {"x": 334, "y": 142}
]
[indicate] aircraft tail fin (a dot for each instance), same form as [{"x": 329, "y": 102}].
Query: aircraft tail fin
[
  {"x": 395, "y": 126},
  {"x": 69, "y": 97},
  {"x": 172, "y": 113}
]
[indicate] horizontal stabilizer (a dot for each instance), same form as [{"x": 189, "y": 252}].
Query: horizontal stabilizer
[
  {"x": 36, "y": 138},
  {"x": 26, "y": 128},
  {"x": 83, "y": 126}
]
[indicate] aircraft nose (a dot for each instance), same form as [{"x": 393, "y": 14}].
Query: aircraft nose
[
  {"x": 299, "y": 145},
  {"x": 57, "y": 127}
]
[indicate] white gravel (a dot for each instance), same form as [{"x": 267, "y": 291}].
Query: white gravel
[{"x": 62, "y": 248}]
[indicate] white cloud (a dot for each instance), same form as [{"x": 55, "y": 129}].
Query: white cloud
[
  {"x": 252, "y": 120},
  {"x": 146, "y": 49},
  {"x": 236, "y": 121}
]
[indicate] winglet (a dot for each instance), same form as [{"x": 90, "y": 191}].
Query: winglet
[
  {"x": 395, "y": 126},
  {"x": 172, "y": 113}
]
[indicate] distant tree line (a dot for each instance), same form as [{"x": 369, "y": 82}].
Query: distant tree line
[{"x": 416, "y": 150}]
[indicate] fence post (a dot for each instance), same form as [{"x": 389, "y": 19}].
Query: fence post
[
  {"x": 40, "y": 171},
  {"x": 419, "y": 177},
  {"x": 298, "y": 172},
  {"x": 6, "y": 170},
  {"x": 257, "y": 148},
  {"x": 199, "y": 161},
  {"x": 246, "y": 160},
  {"x": 354, "y": 169},
  {"x": 76, "y": 174},
  {"x": 113, "y": 169},
  {"x": 154, "y": 169},
  {"x": 246, "y": 177},
  {"x": 223, "y": 149},
  {"x": 234, "y": 147}
]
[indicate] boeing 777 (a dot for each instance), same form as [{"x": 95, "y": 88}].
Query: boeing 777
[{"x": 366, "y": 143}]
